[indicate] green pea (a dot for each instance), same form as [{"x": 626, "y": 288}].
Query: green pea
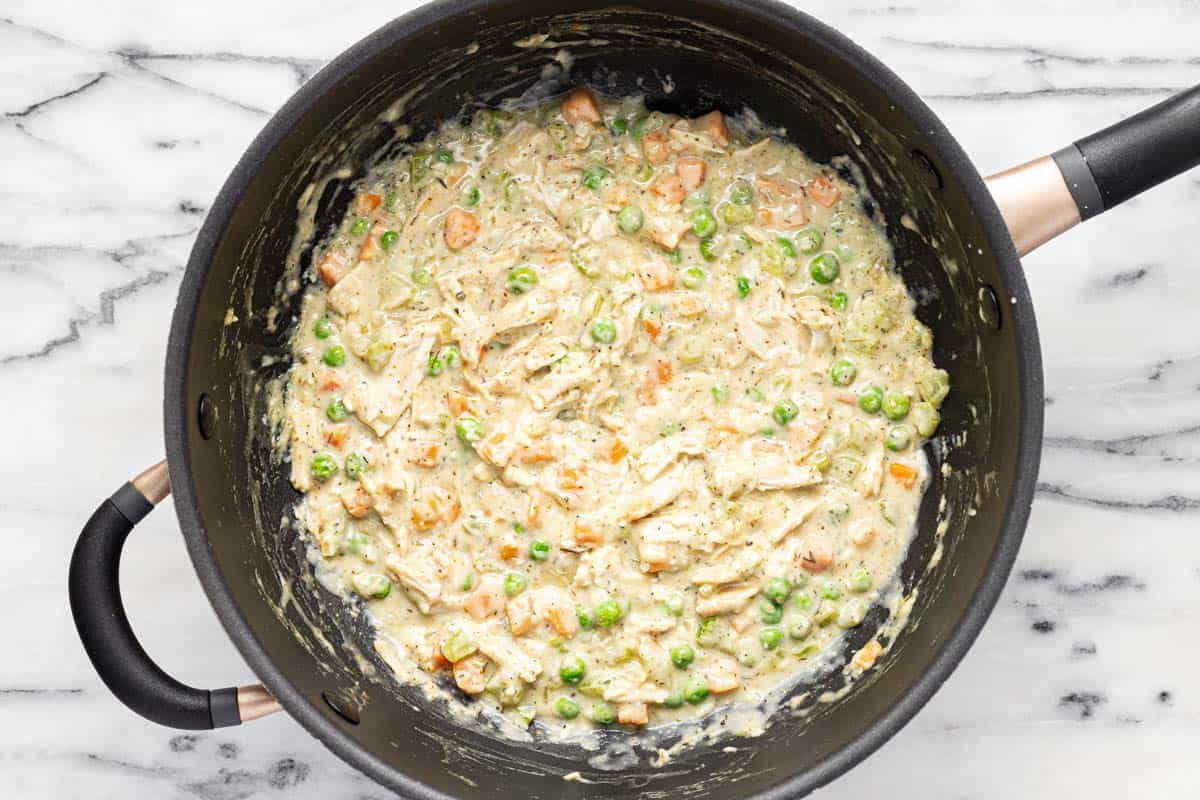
[
  {"x": 839, "y": 301},
  {"x": 870, "y": 399},
  {"x": 693, "y": 278},
  {"x": 355, "y": 466},
  {"x": 777, "y": 589},
  {"x": 804, "y": 601},
  {"x": 710, "y": 631},
  {"x": 522, "y": 279},
  {"x": 539, "y": 549},
  {"x": 860, "y": 581},
  {"x": 334, "y": 356},
  {"x": 359, "y": 227},
  {"x": 743, "y": 285},
  {"x": 641, "y": 126},
  {"x": 789, "y": 249},
  {"x": 785, "y": 411},
  {"x": 704, "y": 224},
  {"x": 799, "y": 628},
  {"x": 831, "y": 590},
  {"x": 710, "y": 249},
  {"x": 682, "y": 655},
  {"x": 754, "y": 394},
  {"x": 442, "y": 360},
  {"x": 379, "y": 354},
  {"x": 603, "y": 714},
  {"x": 926, "y": 418},
  {"x": 844, "y": 252},
  {"x": 323, "y": 467},
  {"x": 566, "y": 708},
  {"x": 514, "y": 583},
  {"x": 419, "y": 166},
  {"x": 372, "y": 586},
  {"x": 585, "y": 617},
  {"x": 736, "y": 215},
  {"x": 630, "y": 219},
  {"x": 421, "y": 276},
  {"x": 851, "y": 615},
  {"x": 898, "y": 437},
  {"x": 323, "y": 328},
  {"x": 608, "y": 613},
  {"x": 469, "y": 429},
  {"x": 824, "y": 268},
  {"x": 594, "y": 175},
  {"x": 673, "y": 605},
  {"x": 675, "y": 255},
  {"x": 820, "y": 460},
  {"x": 674, "y": 699},
  {"x": 445, "y": 156},
  {"x": 770, "y": 638},
  {"x": 336, "y": 411},
  {"x": 643, "y": 173},
  {"x": 473, "y": 197},
  {"x": 743, "y": 243},
  {"x": 388, "y": 239},
  {"x": 842, "y": 372},
  {"x": 896, "y": 405},
  {"x": 571, "y": 669},
  {"x": 357, "y": 542},
  {"x": 603, "y": 331},
  {"x": 839, "y": 510},
  {"x": 741, "y": 194},
  {"x": 720, "y": 393},
  {"x": 518, "y": 528},
  {"x": 809, "y": 240},
  {"x": 768, "y": 611},
  {"x": 696, "y": 690},
  {"x": 620, "y": 126}
]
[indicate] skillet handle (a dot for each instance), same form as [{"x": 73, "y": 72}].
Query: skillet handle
[
  {"x": 114, "y": 650},
  {"x": 1049, "y": 195}
]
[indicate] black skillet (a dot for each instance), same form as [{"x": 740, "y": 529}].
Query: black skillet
[{"x": 957, "y": 255}]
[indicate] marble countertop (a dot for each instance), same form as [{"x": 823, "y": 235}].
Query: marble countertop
[{"x": 121, "y": 120}]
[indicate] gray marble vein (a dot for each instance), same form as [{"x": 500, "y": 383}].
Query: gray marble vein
[{"x": 118, "y": 123}]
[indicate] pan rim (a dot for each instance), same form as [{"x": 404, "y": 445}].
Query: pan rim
[{"x": 792, "y": 22}]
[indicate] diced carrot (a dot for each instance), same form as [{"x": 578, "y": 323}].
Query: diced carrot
[
  {"x": 713, "y": 123},
  {"x": 691, "y": 172},
  {"x": 846, "y": 398},
  {"x": 669, "y": 188},
  {"x": 741, "y": 622},
  {"x": 333, "y": 267},
  {"x": 460, "y": 228},
  {"x": 616, "y": 450},
  {"x": 456, "y": 173},
  {"x": 654, "y": 557},
  {"x": 647, "y": 393},
  {"x": 487, "y": 598},
  {"x": 587, "y": 534},
  {"x": 370, "y": 245},
  {"x": 689, "y": 305},
  {"x": 772, "y": 185},
  {"x": 866, "y": 656},
  {"x": 520, "y": 614},
  {"x": 580, "y": 106},
  {"x": 553, "y": 604},
  {"x": 433, "y": 504},
  {"x": 656, "y": 275},
  {"x": 569, "y": 478},
  {"x": 726, "y": 424},
  {"x": 457, "y": 403},
  {"x": 663, "y": 370},
  {"x": 562, "y": 620},
  {"x": 359, "y": 504},
  {"x": 765, "y": 217},
  {"x": 823, "y": 191},
  {"x": 366, "y": 202},
  {"x": 862, "y": 534},
  {"x": 425, "y": 455},
  {"x": 655, "y": 147},
  {"x": 509, "y": 548},
  {"x": 537, "y": 453},
  {"x": 653, "y": 327},
  {"x": 330, "y": 382},
  {"x": 817, "y": 555},
  {"x": 470, "y": 673},
  {"x": 633, "y": 713},
  {"x": 335, "y": 435},
  {"x": 905, "y": 474},
  {"x": 722, "y": 677},
  {"x": 429, "y": 657}
]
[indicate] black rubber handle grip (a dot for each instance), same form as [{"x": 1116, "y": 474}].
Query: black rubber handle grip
[
  {"x": 1126, "y": 159},
  {"x": 123, "y": 665}
]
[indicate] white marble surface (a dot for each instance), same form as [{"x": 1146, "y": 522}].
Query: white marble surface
[{"x": 121, "y": 119}]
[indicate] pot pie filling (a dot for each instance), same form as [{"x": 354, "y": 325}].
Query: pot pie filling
[{"x": 609, "y": 415}]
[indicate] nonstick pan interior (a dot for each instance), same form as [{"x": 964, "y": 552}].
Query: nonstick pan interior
[{"x": 233, "y": 496}]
